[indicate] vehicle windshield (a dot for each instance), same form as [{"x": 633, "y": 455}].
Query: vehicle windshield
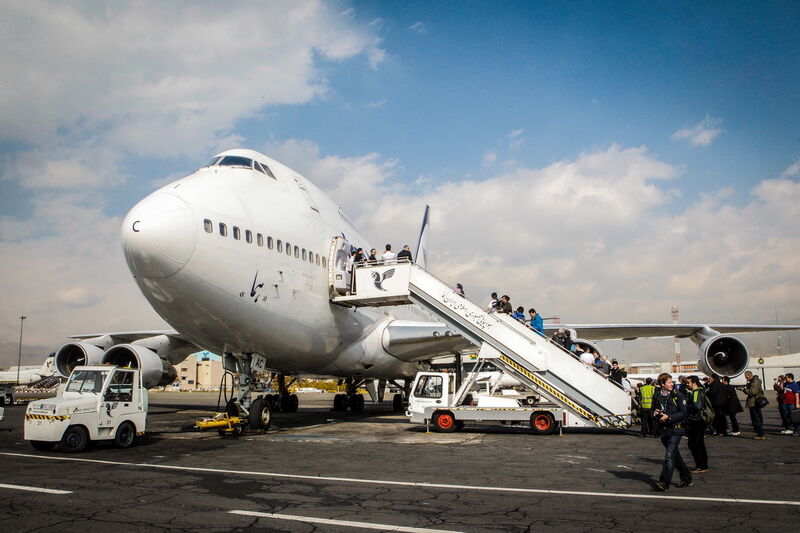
[
  {"x": 88, "y": 381},
  {"x": 429, "y": 387}
]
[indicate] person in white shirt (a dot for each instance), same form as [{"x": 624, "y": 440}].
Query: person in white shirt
[
  {"x": 493, "y": 304},
  {"x": 388, "y": 255},
  {"x": 587, "y": 358}
]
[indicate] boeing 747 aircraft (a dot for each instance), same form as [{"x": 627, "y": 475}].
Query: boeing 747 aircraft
[{"x": 241, "y": 258}]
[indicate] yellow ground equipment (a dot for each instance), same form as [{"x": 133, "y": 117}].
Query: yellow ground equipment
[{"x": 224, "y": 424}]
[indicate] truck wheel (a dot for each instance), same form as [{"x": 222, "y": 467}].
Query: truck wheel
[
  {"x": 444, "y": 422},
  {"x": 543, "y": 423},
  {"x": 74, "y": 440},
  {"x": 124, "y": 436},
  {"x": 42, "y": 445},
  {"x": 260, "y": 415}
]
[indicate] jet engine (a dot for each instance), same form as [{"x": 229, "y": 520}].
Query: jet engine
[
  {"x": 155, "y": 371},
  {"x": 77, "y": 353},
  {"x": 723, "y": 355}
]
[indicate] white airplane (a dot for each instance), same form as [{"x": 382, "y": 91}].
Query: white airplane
[
  {"x": 28, "y": 374},
  {"x": 240, "y": 257}
]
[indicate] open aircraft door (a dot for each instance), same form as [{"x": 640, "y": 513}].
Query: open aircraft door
[{"x": 339, "y": 279}]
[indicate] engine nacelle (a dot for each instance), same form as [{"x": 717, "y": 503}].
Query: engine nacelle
[
  {"x": 724, "y": 356},
  {"x": 77, "y": 353},
  {"x": 155, "y": 371}
]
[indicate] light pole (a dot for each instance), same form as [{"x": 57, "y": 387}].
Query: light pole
[
  {"x": 19, "y": 356},
  {"x": 677, "y": 340}
]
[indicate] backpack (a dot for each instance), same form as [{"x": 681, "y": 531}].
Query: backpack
[{"x": 706, "y": 413}]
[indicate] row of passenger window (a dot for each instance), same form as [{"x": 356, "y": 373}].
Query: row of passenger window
[{"x": 272, "y": 244}]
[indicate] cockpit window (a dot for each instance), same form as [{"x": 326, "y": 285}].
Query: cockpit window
[
  {"x": 236, "y": 161},
  {"x": 214, "y": 161},
  {"x": 263, "y": 168},
  {"x": 268, "y": 172}
]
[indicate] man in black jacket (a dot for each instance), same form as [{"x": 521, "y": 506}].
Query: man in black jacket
[
  {"x": 697, "y": 428},
  {"x": 669, "y": 410},
  {"x": 719, "y": 399},
  {"x": 405, "y": 254}
]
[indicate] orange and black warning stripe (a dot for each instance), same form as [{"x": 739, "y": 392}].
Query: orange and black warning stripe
[{"x": 46, "y": 417}]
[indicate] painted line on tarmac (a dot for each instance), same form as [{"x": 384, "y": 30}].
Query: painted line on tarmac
[
  {"x": 344, "y": 523},
  {"x": 34, "y": 489},
  {"x": 415, "y": 484}
]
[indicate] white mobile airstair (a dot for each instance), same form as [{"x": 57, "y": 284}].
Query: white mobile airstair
[{"x": 547, "y": 368}]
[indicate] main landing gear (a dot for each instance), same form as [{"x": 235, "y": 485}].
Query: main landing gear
[
  {"x": 283, "y": 402},
  {"x": 351, "y": 399},
  {"x": 400, "y": 400}
]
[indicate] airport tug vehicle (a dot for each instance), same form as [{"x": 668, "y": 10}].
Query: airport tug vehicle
[
  {"x": 101, "y": 402},
  {"x": 436, "y": 401}
]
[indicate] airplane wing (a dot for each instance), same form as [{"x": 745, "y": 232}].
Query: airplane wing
[
  {"x": 601, "y": 332},
  {"x": 130, "y": 336}
]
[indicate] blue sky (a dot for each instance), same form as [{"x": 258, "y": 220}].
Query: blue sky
[
  {"x": 641, "y": 155},
  {"x": 574, "y": 79}
]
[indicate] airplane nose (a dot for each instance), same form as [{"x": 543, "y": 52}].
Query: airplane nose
[{"x": 159, "y": 235}]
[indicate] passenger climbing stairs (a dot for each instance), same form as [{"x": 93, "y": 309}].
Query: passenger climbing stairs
[{"x": 547, "y": 368}]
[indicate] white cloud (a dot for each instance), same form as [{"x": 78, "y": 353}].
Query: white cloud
[
  {"x": 79, "y": 167},
  {"x": 791, "y": 171},
  {"x": 593, "y": 240},
  {"x": 350, "y": 181},
  {"x": 379, "y": 103},
  {"x": 157, "y": 78},
  {"x": 419, "y": 27},
  {"x": 78, "y": 296},
  {"x": 701, "y": 134},
  {"x": 515, "y": 139},
  {"x": 489, "y": 158}
]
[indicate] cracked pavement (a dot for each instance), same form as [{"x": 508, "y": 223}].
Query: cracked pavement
[{"x": 380, "y": 445}]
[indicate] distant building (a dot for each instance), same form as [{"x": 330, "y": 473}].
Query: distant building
[{"x": 200, "y": 374}]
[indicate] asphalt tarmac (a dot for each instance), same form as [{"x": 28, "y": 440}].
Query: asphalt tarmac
[{"x": 316, "y": 470}]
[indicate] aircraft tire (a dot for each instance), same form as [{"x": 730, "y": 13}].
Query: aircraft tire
[
  {"x": 42, "y": 445},
  {"x": 74, "y": 440},
  {"x": 294, "y": 403},
  {"x": 444, "y": 422},
  {"x": 339, "y": 402},
  {"x": 260, "y": 415},
  {"x": 124, "y": 436},
  {"x": 397, "y": 403},
  {"x": 357, "y": 403},
  {"x": 543, "y": 423},
  {"x": 273, "y": 402},
  {"x": 285, "y": 402}
]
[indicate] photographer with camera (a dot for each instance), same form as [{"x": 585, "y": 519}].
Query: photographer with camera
[
  {"x": 670, "y": 411},
  {"x": 789, "y": 400},
  {"x": 755, "y": 402}
]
